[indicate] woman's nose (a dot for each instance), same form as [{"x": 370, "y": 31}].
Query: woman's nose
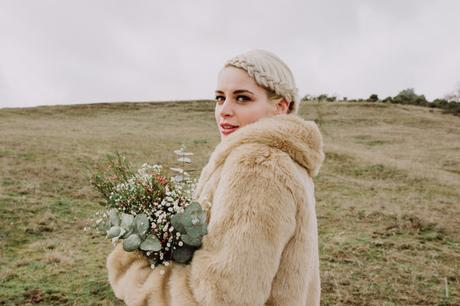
[{"x": 226, "y": 110}]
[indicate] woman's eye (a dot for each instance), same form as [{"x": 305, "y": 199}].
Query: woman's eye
[
  {"x": 220, "y": 98},
  {"x": 242, "y": 98}
]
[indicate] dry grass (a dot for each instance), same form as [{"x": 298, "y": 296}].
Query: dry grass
[{"x": 387, "y": 197}]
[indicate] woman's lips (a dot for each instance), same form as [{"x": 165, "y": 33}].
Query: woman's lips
[{"x": 228, "y": 128}]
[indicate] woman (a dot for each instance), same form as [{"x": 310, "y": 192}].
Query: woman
[{"x": 261, "y": 247}]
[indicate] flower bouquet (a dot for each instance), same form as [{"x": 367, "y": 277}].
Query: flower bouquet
[{"x": 149, "y": 211}]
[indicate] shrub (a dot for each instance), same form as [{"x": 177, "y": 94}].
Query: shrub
[
  {"x": 388, "y": 100},
  {"x": 408, "y": 96},
  {"x": 373, "y": 98}
]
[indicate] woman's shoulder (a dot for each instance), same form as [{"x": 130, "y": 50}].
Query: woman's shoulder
[
  {"x": 280, "y": 140},
  {"x": 259, "y": 159}
]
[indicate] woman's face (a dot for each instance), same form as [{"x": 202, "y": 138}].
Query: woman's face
[{"x": 240, "y": 101}]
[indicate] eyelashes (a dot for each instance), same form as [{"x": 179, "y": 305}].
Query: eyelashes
[{"x": 240, "y": 98}]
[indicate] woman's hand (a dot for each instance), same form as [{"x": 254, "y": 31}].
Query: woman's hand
[{"x": 133, "y": 280}]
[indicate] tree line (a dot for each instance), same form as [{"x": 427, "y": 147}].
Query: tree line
[{"x": 449, "y": 104}]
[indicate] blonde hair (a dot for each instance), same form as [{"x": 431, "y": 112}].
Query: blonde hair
[{"x": 271, "y": 73}]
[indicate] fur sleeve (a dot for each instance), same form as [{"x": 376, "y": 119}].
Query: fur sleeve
[{"x": 252, "y": 219}]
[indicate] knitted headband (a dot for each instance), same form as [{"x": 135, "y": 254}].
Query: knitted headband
[{"x": 269, "y": 71}]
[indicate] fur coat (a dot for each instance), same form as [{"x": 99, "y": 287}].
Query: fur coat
[{"x": 262, "y": 241}]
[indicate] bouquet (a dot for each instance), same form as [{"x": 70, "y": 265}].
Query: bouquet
[{"x": 149, "y": 211}]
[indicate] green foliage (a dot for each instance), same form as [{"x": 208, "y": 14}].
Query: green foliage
[
  {"x": 141, "y": 225},
  {"x": 183, "y": 254},
  {"x": 134, "y": 231},
  {"x": 114, "y": 217},
  {"x": 132, "y": 243},
  {"x": 373, "y": 98},
  {"x": 191, "y": 224},
  {"x": 116, "y": 170},
  {"x": 408, "y": 96},
  {"x": 388, "y": 100},
  {"x": 151, "y": 243},
  {"x": 113, "y": 232}
]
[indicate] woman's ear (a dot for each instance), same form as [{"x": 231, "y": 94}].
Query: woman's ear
[{"x": 282, "y": 106}]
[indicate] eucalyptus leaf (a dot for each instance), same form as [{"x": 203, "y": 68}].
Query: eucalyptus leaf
[
  {"x": 127, "y": 221},
  {"x": 182, "y": 153},
  {"x": 141, "y": 224},
  {"x": 192, "y": 214},
  {"x": 194, "y": 207},
  {"x": 151, "y": 243},
  {"x": 132, "y": 243},
  {"x": 191, "y": 240},
  {"x": 126, "y": 233},
  {"x": 184, "y": 160},
  {"x": 114, "y": 217},
  {"x": 183, "y": 254},
  {"x": 177, "y": 223},
  {"x": 114, "y": 231},
  {"x": 196, "y": 230}
]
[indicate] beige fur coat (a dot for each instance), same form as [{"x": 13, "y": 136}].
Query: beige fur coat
[{"x": 262, "y": 241}]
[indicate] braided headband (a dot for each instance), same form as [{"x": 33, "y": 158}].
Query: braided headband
[{"x": 264, "y": 79}]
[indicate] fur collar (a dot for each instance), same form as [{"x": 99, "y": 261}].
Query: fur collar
[{"x": 299, "y": 138}]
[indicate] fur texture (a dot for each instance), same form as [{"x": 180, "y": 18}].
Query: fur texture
[{"x": 262, "y": 241}]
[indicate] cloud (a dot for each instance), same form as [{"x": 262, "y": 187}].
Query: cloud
[{"x": 56, "y": 52}]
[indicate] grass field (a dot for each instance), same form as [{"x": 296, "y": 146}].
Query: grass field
[{"x": 388, "y": 197}]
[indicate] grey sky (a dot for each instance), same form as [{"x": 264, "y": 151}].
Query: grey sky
[{"x": 63, "y": 52}]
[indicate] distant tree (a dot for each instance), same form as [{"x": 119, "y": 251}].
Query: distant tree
[
  {"x": 307, "y": 97},
  {"x": 439, "y": 103},
  {"x": 322, "y": 97},
  {"x": 345, "y": 99},
  {"x": 453, "y": 96},
  {"x": 388, "y": 100},
  {"x": 408, "y": 96},
  {"x": 331, "y": 98},
  {"x": 373, "y": 98}
]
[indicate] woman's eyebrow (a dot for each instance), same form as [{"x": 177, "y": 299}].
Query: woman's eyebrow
[
  {"x": 236, "y": 91},
  {"x": 242, "y": 91}
]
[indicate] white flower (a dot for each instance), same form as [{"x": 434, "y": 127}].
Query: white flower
[{"x": 180, "y": 243}]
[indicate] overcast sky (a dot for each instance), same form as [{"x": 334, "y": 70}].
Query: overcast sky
[{"x": 85, "y": 51}]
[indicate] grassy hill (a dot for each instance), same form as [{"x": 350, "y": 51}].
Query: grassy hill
[{"x": 388, "y": 197}]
